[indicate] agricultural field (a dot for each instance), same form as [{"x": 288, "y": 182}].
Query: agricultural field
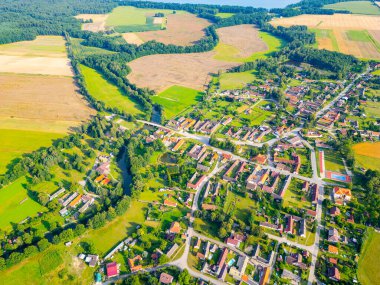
[
  {"x": 367, "y": 155},
  {"x": 159, "y": 72},
  {"x": 17, "y": 204},
  {"x": 181, "y": 29},
  {"x": 356, "y": 7},
  {"x": 236, "y": 80},
  {"x": 98, "y": 22},
  {"x": 238, "y": 42},
  {"x": 176, "y": 99},
  {"x": 108, "y": 93},
  {"x": 225, "y": 15},
  {"x": 14, "y": 143},
  {"x": 358, "y": 35},
  {"x": 39, "y": 98},
  {"x": 368, "y": 271}
]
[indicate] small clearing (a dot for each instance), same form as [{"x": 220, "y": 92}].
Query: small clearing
[{"x": 133, "y": 38}]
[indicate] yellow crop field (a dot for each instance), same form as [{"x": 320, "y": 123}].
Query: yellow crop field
[{"x": 367, "y": 154}]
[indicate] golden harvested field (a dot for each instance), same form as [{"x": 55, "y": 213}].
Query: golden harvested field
[
  {"x": 28, "y": 101},
  {"x": 367, "y": 155},
  {"x": 181, "y": 29},
  {"x": 98, "y": 22},
  {"x": 44, "y": 55},
  {"x": 244, "y": 38},
  {"x": 342, "y": 21},
  {"x": 333, "y": 32},
  {"x": 132, "y": 38},
  {"x": 159, "y": 72}
]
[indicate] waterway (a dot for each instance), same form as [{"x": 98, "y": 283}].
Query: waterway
[
  {"x": 124, "y": 167},
  {"x": 268, "y": 4}
]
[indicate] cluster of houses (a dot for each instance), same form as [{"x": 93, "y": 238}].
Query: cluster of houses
[
  {"x": 72, "y": 201},
  {"x": 198, "y": 126},
  {"x": 248, "y": 133},
  {"x": 205, "y": 157},
  {"x": 210, "y": 193},
  {"x": 234, "y": 171},
  {"x": 240, "y": 95},
  {"x": 268, "y": 181}
]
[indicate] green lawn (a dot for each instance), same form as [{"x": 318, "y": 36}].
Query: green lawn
[
  {"x": 106, "y": 238},
  {"x": 14, "y": 143},
  {"x": 16, "y": 204},
  {"x": 237, "y": 80},
  {"x": 368, "y": 271},
  {"x": 226, "y": 52},
  {"x": 372, "y": 109},
  {"x": 224, "y": 15},
  {"x": 131, "y": 19},
  {"x": 111, "y": 95},
  {"x": 356, "y": 7},
  {"x": 176, "y": 99},
  {"x": 294, "y": 196},
  {"x": 376, "y": 72},
  {"x": 258, "y": 115},
  {"x": 333, "y": 161}
]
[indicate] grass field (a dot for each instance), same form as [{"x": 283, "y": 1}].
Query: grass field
[
  {"x": 125, "y": 19},
  {"x": 294, "y": 197},
  {"x": 225, "y": 15},
  {"x": 106, "y": 238},
  {"x": 326, "y": 39},
  {"x": 110, "y": 94},
  {"x": 333, "y": 162},
  {"x": 176, "y": 99},
  {"x": 16, "y": 204},
  {"x": 14, "y": 143},
  {"x": 368, "y": 271},
  {"x": 368, "y": 155},
  {"x": 82, "y": 51},
  {"x": 376, "y": 72},
  {"x": 356, "y": 7},
  {"x": 258, "y": 115},
  {"x": 236, "y": 80}
]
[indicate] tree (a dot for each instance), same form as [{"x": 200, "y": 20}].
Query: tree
[
  {"x": 184, "y": 277},
  {"x": 43, "y": 244},
  {"x": 222, "y": 233}
]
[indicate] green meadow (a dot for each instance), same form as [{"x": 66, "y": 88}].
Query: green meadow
[
  {"x": 111, "y": 95},
  {"x": 131, "y": 19},
  {"x": 325, "y": 34},
  {"x": 14, "y": 143},
  {"x": 82, "y": 51},
  {"x": 368, "y": 271},
  {"x": 225, "y": 15},
  {"x": 16, "y": 204},
  {"x": 356, "y": 7},
  {"x": 176, "y": 99},
  {"x": 236, "y": 80}
]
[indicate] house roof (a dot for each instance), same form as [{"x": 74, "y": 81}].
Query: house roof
[
  {"x": 342, "y": 191},
  {"x": 175, "y": 228},
  {"x": 112, "y": 269},
  {"x": 170, "y": 203},
  {"x": 166, "y": 278},
  {"x": 232, "y": 241},
  {"x": 333, "y": 249}
]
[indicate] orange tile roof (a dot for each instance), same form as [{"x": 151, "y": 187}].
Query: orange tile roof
[
  {"x": 342, "y": 191},
  {"x": 333, "y": 249},
  {"x": 75, "y": 201},
  {"x": 175, "y": 228}
]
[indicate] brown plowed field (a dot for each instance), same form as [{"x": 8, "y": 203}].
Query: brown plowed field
[
  {"x": 132, "y": 38},
  {"x": 181, "y": 29}
]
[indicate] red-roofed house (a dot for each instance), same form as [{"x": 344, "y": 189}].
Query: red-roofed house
[
  {"x": 166, "y": 278},
  {"x": 112, "y": 269}
]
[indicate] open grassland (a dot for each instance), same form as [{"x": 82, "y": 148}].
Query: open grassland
[
  {"x": 356, "y": 7},
  {"x": 181, "y": 29},
  {"x": 368, "y": 155},
  {"x": 358, "y": 35},
  {"x": 368, "y": 271},
  {"x": 16, "y": 204},
  {"x": 106, "y": 238},
  {"x": 82, "y": 51},
  {"x": 14, "y": 143},
  {"x": 176, "y": 99},
  {"x": 225, "y": 15},
  {"x": 131, "y": 19},
  {"x": 333, "y": 162},
  {"x": 236, "y": 80},
  {"x": 238, "y": 43},
  {"x": 376, "y": 72},
  {"x": 108, "y": 93},
  {"x": 159, "y": 72}
]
